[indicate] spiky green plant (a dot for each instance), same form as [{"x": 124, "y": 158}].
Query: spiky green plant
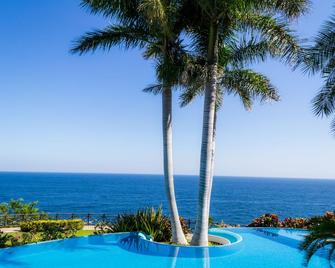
[
  {"x": 322, "y": 237},
  {"x": 149, "y": 221}
]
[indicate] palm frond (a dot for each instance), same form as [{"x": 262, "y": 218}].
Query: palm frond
[
  {"x": 249, "y": 51},
  {"x": 154, "y": 10},
  {"x": 332, "y": 126},
  {"x": 154, "y": 89},
  {"x": 317, "y": 57},
  {"x": 193, "y": 79},
  {"x": 190, "y": 94},
  {"x": 322, "y": 236},
  {"x": 249, "y": 85},
  {"x": 115, "y": 35},
  {"x": 123, "y": 11},
  {"x": 288, "y": 8},
  {"x": 275, "y": 32},
  {"x": 324, "y": 101}
]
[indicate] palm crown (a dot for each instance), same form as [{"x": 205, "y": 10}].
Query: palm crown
[{"x": 154, "y": 26}]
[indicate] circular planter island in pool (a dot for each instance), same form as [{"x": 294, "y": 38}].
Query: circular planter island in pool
[{"x": 138, "y": 243}]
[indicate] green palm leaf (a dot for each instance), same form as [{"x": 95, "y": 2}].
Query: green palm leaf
[
  {"x": 322, "y": 237},
  {"x": 115, "y": 35},
  {"x": 320, "y": 57},
  {"x": 275, "y": 32},
  {"x": 249, "y": 85}
]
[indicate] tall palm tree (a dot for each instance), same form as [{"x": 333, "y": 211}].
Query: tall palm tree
[
  {"x": 322, "y": 236},
  {"x": 320, "y": 57},
  {"x": 214, "y": 25},
  {"x": 235, "y": 79},
  {"x": 154, "y": 25}
]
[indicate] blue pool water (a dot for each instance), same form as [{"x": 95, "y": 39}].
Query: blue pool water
[
  {"x": 234, "y": 199},
  {"x": 260, "y": 247}
]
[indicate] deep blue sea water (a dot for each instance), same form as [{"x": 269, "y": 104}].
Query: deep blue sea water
[{"x": 234, "y": 199}]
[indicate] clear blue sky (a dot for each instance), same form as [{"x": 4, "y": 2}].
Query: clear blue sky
[{"x": 63, "y": 112}]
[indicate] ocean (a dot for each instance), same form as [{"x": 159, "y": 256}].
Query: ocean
[{"x": 236, "y": 200}]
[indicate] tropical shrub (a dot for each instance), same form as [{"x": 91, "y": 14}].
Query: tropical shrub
[
  {"x": 289, "y": 222},
  {"x": 266, "y": 220},
  {"x": 3, "y": 239},
  {"x": 9, "y": 240},
  {"x": 30, "y": 237},
  {"x": 53, "y": 229},
  {"x": 317, "y": 220},
  {"x": 272, "y": 220},
  {"x": 149, "y": 221},
  {"x": 16, "y": 211},
  {"x": 322, "y": 236},
  {"x": 211, "y": 221}
]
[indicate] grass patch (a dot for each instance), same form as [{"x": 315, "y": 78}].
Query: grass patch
[{"x": 84, "y": 233}]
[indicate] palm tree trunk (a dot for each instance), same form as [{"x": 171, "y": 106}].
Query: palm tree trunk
[
  {"x": 200, "y": 237},
  {"x": 178, "y": 236},
  {"x": 213, "y": 156}
]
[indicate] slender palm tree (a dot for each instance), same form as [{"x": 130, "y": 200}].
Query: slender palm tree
[
  {"x": 320, "y": 57},
  {"x": 214, "y": 25},
  {"x": 154, "y": 25},
  {"x": 322, "y": 236},
  {"x": 236, "y": 80}
]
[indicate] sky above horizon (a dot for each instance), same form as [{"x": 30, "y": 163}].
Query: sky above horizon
[{"x": 63, "y": 112}]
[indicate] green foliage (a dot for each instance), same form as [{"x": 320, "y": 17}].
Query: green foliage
[
  {"x": 16, "y": 210},
  {"x": 322, "y": 236},
  {"x": 3, "y": 239},
  {"x": 53, "y": 229},
  {"x": 320, "y": 57},
  {"x": 210, "y": 221},
  {"x": 18, "y": 206},
  {"x": 9, "y": 240},
  {"x": 154, "y": 26},
  {"x": 149, "y": 221}
]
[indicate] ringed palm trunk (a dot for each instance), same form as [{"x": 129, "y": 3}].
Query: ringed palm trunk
[
  {"x": 200, "y": 237},
  {"x": 213, "y": 157},
  {"x": 178, "y": 236}
]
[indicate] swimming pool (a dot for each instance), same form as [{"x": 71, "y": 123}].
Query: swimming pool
[{"x": 259, "y": 247}]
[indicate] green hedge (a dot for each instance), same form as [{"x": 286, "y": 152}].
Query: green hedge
[{"x": 52, "y": 225}]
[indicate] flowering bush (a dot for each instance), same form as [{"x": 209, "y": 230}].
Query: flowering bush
[
  {"x": 329, "y": 215},
  {"x": 266, "y": 220},
  {"x": 272, "y": 220},
  {"x": 317, "y": 220},
  {"x": 295, "y": 223}
]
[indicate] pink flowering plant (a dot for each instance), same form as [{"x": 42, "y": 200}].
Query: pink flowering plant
[
  {"x": 289, "y": 222},
  {"x": 266, "y": 220},
  {"x": 272, "y": 220}
]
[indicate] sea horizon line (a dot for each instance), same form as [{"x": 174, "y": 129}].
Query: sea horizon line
[{"x": 160, "y": 174}]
